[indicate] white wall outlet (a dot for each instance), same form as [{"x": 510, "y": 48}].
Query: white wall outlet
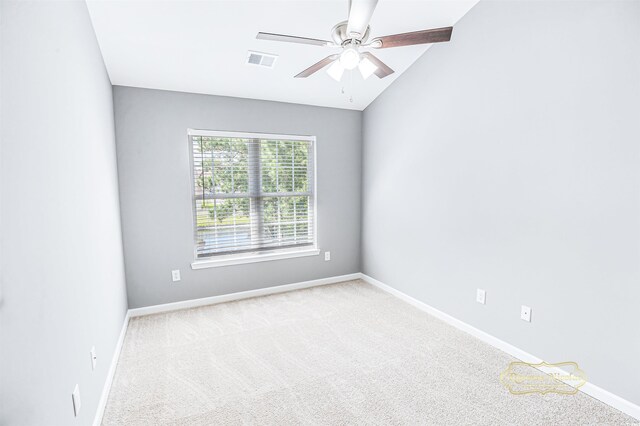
[
  {"x": 481, "y": 296},
  {"x": 175, "y": 275},
  {"x": 75, "y": 397},
  {"x": 525, "y": 313},
  {"x": 94, "y": 357},
  {"x": 327, "y": 256}
]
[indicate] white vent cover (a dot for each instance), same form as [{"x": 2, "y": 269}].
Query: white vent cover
[{"x": 260, "y": 59}]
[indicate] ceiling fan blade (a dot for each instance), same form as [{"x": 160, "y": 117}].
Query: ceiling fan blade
[
  {"x": 360, "y": 13},
  {"x": 317, "y": 66},
  {"x": 293, "y": 39},
  {"x": 383, "y": 69},
  {"x": 436, "y": 35}
]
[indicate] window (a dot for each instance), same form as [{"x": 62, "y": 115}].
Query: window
[{"x": 253, "y": 195}]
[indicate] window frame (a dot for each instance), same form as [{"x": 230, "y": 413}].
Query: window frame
[{"x": 254, "y": 255}]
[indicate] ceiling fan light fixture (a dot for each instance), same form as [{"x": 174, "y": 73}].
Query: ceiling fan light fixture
[
  {"x": 353, "y": 34},
  {"x": 336, "y": 70},
  {"x": 366, "y": 68},
  {"x": 350, "y": 58}
]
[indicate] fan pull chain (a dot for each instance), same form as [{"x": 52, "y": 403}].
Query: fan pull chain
[{"x": 351, "y": 86}]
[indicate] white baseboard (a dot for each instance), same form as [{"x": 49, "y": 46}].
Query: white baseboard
[
  {"x": 589, "y": 388},
  {"x": 111, "y": 373},
  {"x": 194, "y": 303}
]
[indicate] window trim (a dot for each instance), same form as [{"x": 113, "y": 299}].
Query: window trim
[{"x": 258, "y": 255}]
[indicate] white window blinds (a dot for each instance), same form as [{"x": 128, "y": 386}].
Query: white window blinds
[{"x": 252, "y": 192}]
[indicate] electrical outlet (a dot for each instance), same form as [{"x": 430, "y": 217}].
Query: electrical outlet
[
  {"x": 327, "y": 255},
  {"x": 175, "y": 275},
  {"x": 481, "y": 296},
  {"x": 525, "y": 313},
  {"x": 75, "y": 397},
  {"x": 94, "y": 357}
]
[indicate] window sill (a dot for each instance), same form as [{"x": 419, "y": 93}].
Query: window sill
[{"x": 252, "y": 258}]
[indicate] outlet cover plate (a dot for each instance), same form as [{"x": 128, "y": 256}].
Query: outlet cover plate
[
  {"x": 94, "y": 357},
  {"x": 481, "y": 296},
  {"x": 75, "y": 397},
  {"x": 525, "y": 313},
  {"x": 175, "y": 275},
  {"x": 327, "y": 255}
]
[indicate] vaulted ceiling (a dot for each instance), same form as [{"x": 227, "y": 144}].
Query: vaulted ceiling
[{"x": 201, "y": 46}]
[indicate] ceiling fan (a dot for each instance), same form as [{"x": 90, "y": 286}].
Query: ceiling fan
[{"x": 352, "y": 36}]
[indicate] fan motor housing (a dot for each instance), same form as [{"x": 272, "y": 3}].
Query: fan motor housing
[{"x": 340, "y": 37}]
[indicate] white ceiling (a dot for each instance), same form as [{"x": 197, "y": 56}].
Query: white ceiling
[{"x": 201, "y": 46}]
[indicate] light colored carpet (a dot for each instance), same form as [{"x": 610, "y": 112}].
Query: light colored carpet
[{"x": 339, "y": 354}]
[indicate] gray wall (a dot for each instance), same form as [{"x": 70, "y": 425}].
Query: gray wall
[
  {"x": 153, "y": 167},
  {"x": 62, "y": 281},
  {"x": 508, "y": 160}
]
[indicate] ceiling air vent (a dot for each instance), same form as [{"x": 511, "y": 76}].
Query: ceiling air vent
[{"x": 261, "y": 59}]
